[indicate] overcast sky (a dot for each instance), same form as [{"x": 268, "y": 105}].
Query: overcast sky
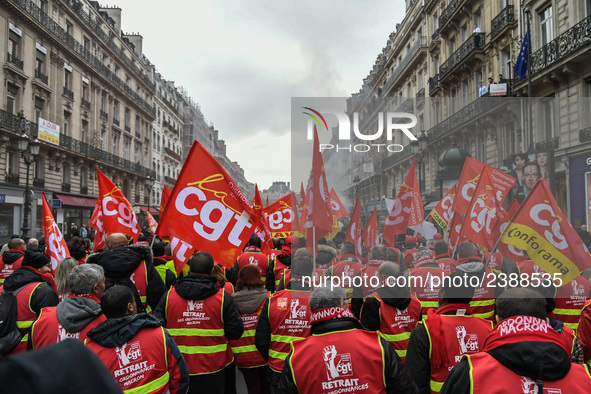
[{"x": 242, "y": 61}]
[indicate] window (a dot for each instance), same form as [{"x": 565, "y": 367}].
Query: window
[
  {"x": 86, "y": 43},
  {"x": 11, "y": 162},
  {"x": 11, "y": 98},
  {"x": 38, "y": 166},
  {"x": 116, "y": 111},
  {"x": 588, "y": 7},
  {"x": 84, "y": 131},
  {"x": 127, "y": 119},
  {"x": 66, "y": 123},
  {"x": 465, "y": 93},
  {"x": 452, "y": 45},
  {"x": 126, "y": 148},
  {"x": 477, "y": 80},
  {"x": 454, "y": 99},
  {"x": 67, "y": 77},
  {"x": 505, "y": 66},
  {"x": 509, "y": 139},
  {"x": 481, "y": 148},
  {"x": 14, "y": 41},
  {"x": 85, "y": 90},
  {"x": 436, "y": 64},
  {"x": 83, "y": 178},
  {"x": 478, "y": 19},
  {"x": 128, "y": 81},
  {"x": 39, "y": 107},
  {"x": 117, "y": 71},
  {"x": 42, "y": 4},
  {"x": 549, "y": 112},
  {"x": 435, "y": 23},
  {"x": 137, "y": 156},
  {"x": 137, "y": 125},
  {"x": 40, "y": 61},
  {"x": 69, "y": 28},
  {"x": 104, "y": 140},
  {"x": 502, "y": 4},
  {"x": 463, "y": 33},
  {"x": 104, "y": 101},
  {"x": 105, "y": 59},
  {"x": 115, "y": 146},
  {"x": 547, "y": 32}
]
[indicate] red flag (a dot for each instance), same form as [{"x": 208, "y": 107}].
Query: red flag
[
  {"x": 482, "y": 215},
  {"x": 57, "y": 249},
  {"x": 337, "y": 206},
  {"x": 408, "y": 207},
  {"x": 267, "y": 204},
  {"x": 181, "y": 253},
  {"x": 261, "y": 228},
  {"x": 96, "y": 222},
  {"x": 165, "y": 197},
  {"x": 207, "y": 210},
  {"x": 118, "y": 214},
  {"x": 370, "y": 231},
  {"x": 443, "y": 212},
  {"x": 354, "y": 231},
  {"x": 152, "y": 222},
  {"x": 543, "y": 232},
  {"x": 302, "y": 196},
  {"x": 282, "y": 216},
  {"x": 509, "y": 251}
]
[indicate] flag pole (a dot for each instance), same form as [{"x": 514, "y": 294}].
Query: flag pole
[
  {"x": 529, "y": 93},
  {"x": 314, "y": 245}
]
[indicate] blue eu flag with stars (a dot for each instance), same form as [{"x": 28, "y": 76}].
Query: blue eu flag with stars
[{"x": 523, "y": 58}]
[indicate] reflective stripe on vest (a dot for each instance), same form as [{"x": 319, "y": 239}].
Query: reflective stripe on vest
[
  {"x": 154, "y": 385},
  {"x": 245, "y": 352}
]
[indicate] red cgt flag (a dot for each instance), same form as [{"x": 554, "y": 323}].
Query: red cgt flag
[
  {"x": 57, "y": 249},
  {"x": 509, "y": 251},
  {"x": 165, "y": 197},
  {"x": 408, "y": 207},
  {"x": 96, "y": 222},
  {"x": 282, "y": 216},
  {"x": 354, "y": 231},
  {"x": 483, "y": 213},
  {"x": 206, "y": 209},
  {"x": 543, "y": 232},
  {"x": 442, "y": 214},
  {"x": 261, "y": 228},
  {"x": 370, "y": 231},
  {"x": 337, "y": 206},
  {"x": 118, "y": 214},
  {"x": 152, "y": 222}
]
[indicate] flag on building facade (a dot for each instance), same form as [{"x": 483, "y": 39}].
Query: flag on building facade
[{"x": 524, "y": 52}]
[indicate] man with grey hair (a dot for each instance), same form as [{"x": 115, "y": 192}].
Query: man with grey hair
[
  {"x": 340, "y": 354},
  {"x": 74, "y": 316}
]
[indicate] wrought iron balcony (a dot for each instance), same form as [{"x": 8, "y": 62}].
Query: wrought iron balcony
[
  {"x": 85, "y": 103},
  {"x": 172, "y": 154},
  {"x": 11, "y": 178},
  {"x": 66, "y": 187},
  {"x": 39, "y": 182},
  {"x": 547, "y": 145},
  {"x": 116, "y": 122},
  {"x": 585, "y": 135},
  {"x": 505, "y": 18},
  {"x": 473, "y": 43},
  {"x": 569, "y": 42},
  {"x": 40, "y": 76},
  {"x": 169, "y": 180},
  {"x": 104, "y": 115},
  {"x": 84, "y": 190},
  {"x": 15, "y": 61},
  {"x": 433, "y": 83},
  {"x": 68, "y": 93},
  {"x": 410, "y": 56},
  {"x": 449, "y": 11}
]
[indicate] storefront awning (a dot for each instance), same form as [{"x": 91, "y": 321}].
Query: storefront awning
[
  {"x": 75, "y": 200},
  {"x": 152, "y": 210}
]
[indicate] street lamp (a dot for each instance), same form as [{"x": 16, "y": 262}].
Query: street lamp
[
  {"x": 149, "y": 185},
  {"x": 29, "y": 152},
  {"x": 419, "y": 146}
]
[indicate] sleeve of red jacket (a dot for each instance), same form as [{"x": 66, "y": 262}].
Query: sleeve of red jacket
[
  {"x": 584, "y": 332},
  {"x": 177, "y": 367}
]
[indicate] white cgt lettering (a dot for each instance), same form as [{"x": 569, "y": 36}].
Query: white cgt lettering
[
  {"x": 124, "y": 214},
  {"x": 554, "y": 237}
]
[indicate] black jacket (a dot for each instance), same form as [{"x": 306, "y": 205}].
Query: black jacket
[
  {"x": 10, "y": 256},
  {"x": 396, "y": 297},
  {"x": 270, "y": 281},
  {"x": 43, "y": 296},
  {"x": 397, "y": 378},
  {"x": 120, "y": 263},
  {"x": 117, "y": 331},
  {"x": 533, "y": 359},
  {"x": 200, "y": 287}
]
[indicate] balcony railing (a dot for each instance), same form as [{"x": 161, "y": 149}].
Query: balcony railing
[
  {"x": 15, "y": 61},
  {"x": 53, "y": 27},
  {"x": 169, "y": 180},
  {"x": 11, "y": 178},
  {"x": 138, "y": 135},
  {"x": 421, "y": 43},
  {"x": 39, "y": 182},
  {"x": 421, "y": 93},
  {"x": 104, "y": 115},
  {"x": 585, "y": 135},
  {"x": 172, "y": 154},
  {"x": 68, "y": 93},
  {"x": 40, "y": 76},
  {"x": 474, "y": 42},
  {"x": 433, "y": 83},
  {"x": 86, "y": 103},
  {"x": 116, "y": 122},
  {"x": 84, "y": 190},
  {"x": 505, "y": 18},
  {"x": 66, "y": 187},
  {"x": 565, "y": 44},
  {"x": 449, "y": 11}
]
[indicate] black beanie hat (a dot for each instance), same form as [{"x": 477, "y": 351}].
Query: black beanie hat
[{"x": 35, "y": 260}]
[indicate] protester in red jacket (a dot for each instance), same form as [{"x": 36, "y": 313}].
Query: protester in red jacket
[{"x": 12, "y": 258}]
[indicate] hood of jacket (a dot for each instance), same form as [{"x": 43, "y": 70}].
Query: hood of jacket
[
  {"x": 11, "y": 256},
  {"x": 197, "y": 286},
  {"x": 398, "y": 297},
  {"x": 249, "y": 300},
  {"x": 120, "y": 262},
  {"x": 117, "y": 331},
  {"x": 21, "y": 277},
  {"x": 77, "y": 312},
  {"x": 325, "y": 254},
  {"x": 340, "y": 324},
  {"x": 471, "y": 267}
]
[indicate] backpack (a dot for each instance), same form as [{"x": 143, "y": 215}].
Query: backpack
[{"x": 10, "y": 335}]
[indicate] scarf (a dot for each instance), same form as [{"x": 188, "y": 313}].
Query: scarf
[
  {"x": 285, "y": 251},
  {"x": 471, "y": 259},
  {"x": 439, "y": 352},
  {"x": 522, "y": 328},
  {"x": 424, "y": 260},
  {"x": 375, "y": 263},
  {"x": 326, "y": 314},
  {"x": 89, "y": 296},
  {"x": 252, "y": 249}
]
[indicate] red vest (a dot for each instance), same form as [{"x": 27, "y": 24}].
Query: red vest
[
  {"x": 197, "y": 328},
  {"x": 483, "y": 302},
  {"x": 47, "y": 330},
  {"x": 461, "y": 335},
  {"x": 246, "y": 354},
  {"x": 318, "y": 277},
  {"x": 422, "y": 287},
  {"x": 259, "y": 259},
  {"x": 141, "y": 364},
  {"x": 570, "y": 299},
  {"x": 289, "y": 318},
  {"x": 367, "y": 272},
  {"x": 446, "y": 263},
  {"x": 409, "y": 257},
  {"x": 489, "y": 376},
  {"x": 24, "y": 314},
  {"x": 584, "y": 331},
  {"x": 396, "y": 325},
  {"x": 495, "y": 261},
  {"x": 140, "y": 280},
  {"x": 348, "y": 361},
  {"x": 347, "y": 269},
  {"x": 228, "y": 287},
  {"x": 278, "y": 268},
  {"x": 7, "y": 269}
]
